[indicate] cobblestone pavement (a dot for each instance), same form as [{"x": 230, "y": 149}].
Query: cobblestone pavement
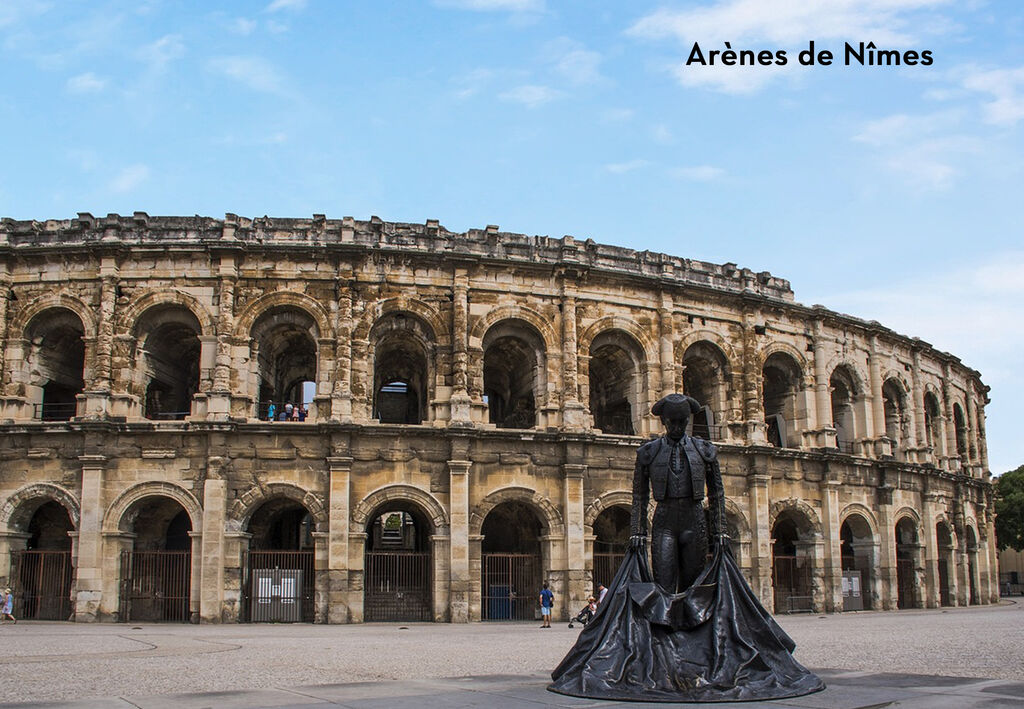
[{"x": 65, "y": 661}]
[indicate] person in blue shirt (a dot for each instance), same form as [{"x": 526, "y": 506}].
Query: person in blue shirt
[
  {"x": 271, "y": 411},
  {"x": 547, "y": 600}
]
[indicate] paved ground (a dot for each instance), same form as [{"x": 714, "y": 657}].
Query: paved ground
[{"x": 865, "y": 659}]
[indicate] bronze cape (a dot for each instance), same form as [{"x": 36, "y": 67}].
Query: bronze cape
[{"x": 714, "y": 642}]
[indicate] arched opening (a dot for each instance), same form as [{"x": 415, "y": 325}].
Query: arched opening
[
  {"x": 960, "y": 431},
  {"x": 844, "y": 389},
  {"x": 894, "y": 405},
  {"x": 400, "y": 372},
  {"x": 944, "y": 539},
  {"x": 611, "y": 539},
  {"x": 156, "y": 572},
  {"x": 932, "y": 421},
  {"x": 792, "y": 562},
  {"x": 512, "y": 569},
  {"x": 398, "y": 562},
  {"x": 41, "y": 573},
  {"x": 169, "y": 336},
  {"x": 513, "y": 374},
  {"x": 781, "y": 378},
  {"x": 614, "y": 378},
  {"x": 857, "y": 548},
  {"x": 908, "y": 550},
  {"x": 284, "y": 347},
  {"x": 973, "y": 597},
  {"x": 706, "y": 379},
  {"x": 280, "y": 580},
  {"x": 56, "y": 360}
]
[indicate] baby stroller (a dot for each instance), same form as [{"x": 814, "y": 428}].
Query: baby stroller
[{"x": 587, "y": 614}]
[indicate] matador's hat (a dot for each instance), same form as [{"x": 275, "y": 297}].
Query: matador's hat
[{"x": 675, "y": 406}]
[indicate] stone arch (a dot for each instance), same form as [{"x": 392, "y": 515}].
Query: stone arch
[
  {"x": 944, "y": 519},
  {"x": 523, "y": 313},
  {"x": 643, "y": 341},
  {"x": 429, "y": 316},
  {"x": 857, "y": 508},
  {"x": 616, "y": 498},
  {"x": 252, "y": 499},
  {"x": 785, "y": 348},
  {"x": 57, "y": 300},
  {"x": 128, "y": 319},
  {"x": 422, "y": 499},
  {"x": 615, "y": 367},
  {"x": 550, "y": 518},
  {"x": 401, "y": 348},
  {"x": 857, "y": 376},
  {"x": 732, "y": 510},
  {"x": 801, "y": 508},
  {"x": 706, "y": 335},
  {"x": 912, "y": 514},
  {"x": 279, "y": 299},
  {"x": 16, "y": 512},
  {"x": 119, "y": 507},
  {"x": 706, "y": 373}
]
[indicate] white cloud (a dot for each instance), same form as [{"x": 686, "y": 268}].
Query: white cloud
[
  {"x": 698, "y": 173},
  {"x": 253, "y": 72},
  {"x": 243, "y": 26},
  {"x": 621, "y": 167},
  {"x": 471, "y": 83},
  {"x": 579, "y": 66},
  {"x": 163, "y": 51},
  {"x": 279, "y": 5},
  {"x": 129, "y": 178},
  {"x": 87, "y": 83},
  {"x": 781, "y": 24},
  {"x": 661, "y": 133},
  {"x": 13, "y": 11},
  {"x": 530, "y": 95},
  {"x": 1006, "y": 86},
  {"x": 494, "y": 5}
]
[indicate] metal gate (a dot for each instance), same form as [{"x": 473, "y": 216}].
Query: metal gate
[
  {"x": 905, "y": 583},
  {"x": 397, "y": 586},
  {"x": 511, "y": 586},
  {"x": 155, "y": 586},
  {"x": 945, "y": 598},
  {"x": 792, "y": 584},
  {"x": 41, "y": 583},
  {"x": 255, "y": 563},
  {"x": 605, "y": 566}
]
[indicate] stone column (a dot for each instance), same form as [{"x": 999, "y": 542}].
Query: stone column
[
  {"x": 211, "y": 597},
  {"x": 461, "y": 578},
  {"x": 321, "y": 577},
  {"x": 219, "y": 404},
  {"x": 10, "y": 542},
  {"x": 96, "y": 395},
  {"x": 822, "y": 396},
  {"x": 972, "y": 430},
  {"x": 5, "y": 298},
  {"x": 440, "y": 547},
  {"x": 949, "y": 423},
  {"x": 876, "y": 403},
  {"x": 236, "y": 544},
  {"x": 195, "y": 576},
  {"x": 575, "y": 543},
  {"x": 833, "y": 557},
  {"x": 574, "y": 415},
  {"x": 461, "y": 409},
  {"x": 753, "y": 410},
  {"x": 758, "y": 481},
  {"x": 341, "y": 398},
  {"x": 929, "y": 513},
  {"x": 89, "y": 564},
  {"x": 356, "y": 575},
  {"x": 339, "y": 513},
  {"x": 887, "y": 550},
  {"x": 667, "y": 347}
]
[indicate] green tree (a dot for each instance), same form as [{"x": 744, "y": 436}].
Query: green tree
[{"x": 1010, "y": 509}]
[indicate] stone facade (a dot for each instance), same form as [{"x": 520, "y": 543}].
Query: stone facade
[{"x": 475, "y": 399}]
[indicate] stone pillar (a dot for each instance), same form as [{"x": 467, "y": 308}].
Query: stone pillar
[
  {"x": 459, "y": 548},
  {"x": 9, "y": 542},
  {"x": 753, "y": 409},
  {"x": 341, "y": 397},
  {"x": 195, "y": 576},
  {"x": 97, "y": 388},
  {"x": 321, "y": 577},
  {"x": 339, "y": 513},
  {"x": 887, "y": 551},
  {"x": 212, "y": 547},
  {"x": 667, "y": 348},
  {"x": 953, "y": 461},
  {"x": 461, "y": 409},
  {"x": 5, "y": 298},
  {"x": 236, "y": 544},
  {"x": 574, "y": 415},
  {"x": 972, "y": 430},
  {"x": 219, "y": 404},
  {"x": 356, "y": 575},
  {"x": 440, "y": 547},
  {"x": 822, "y": 395},
  {"x": 89, "y": 564},
  {"x": 575, "y": 543},
  {"x": 758, "y": 481},
  {"x": 876, "y": 403},
  {"x": 833, "y": 557},
  {"x": 929, "y": 514}
]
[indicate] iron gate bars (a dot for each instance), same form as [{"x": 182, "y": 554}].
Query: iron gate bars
[
  {"x": 155, "y": 586},
  {"x": 792, "y": 583},
  {"x": 397, "y": 586},
  {"x": 41, "y": 582},
  {"x": 511, "y": 586},
  {"x": 268, "y": 598}
]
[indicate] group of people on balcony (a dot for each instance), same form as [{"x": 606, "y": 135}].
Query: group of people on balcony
[{"x": 289, "y": 412}]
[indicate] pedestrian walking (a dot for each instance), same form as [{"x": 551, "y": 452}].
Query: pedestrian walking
[
  {"x": 547, "y": 601},
  {"x": 271, "y": 411},
  {"x": 8, "y": 608}
]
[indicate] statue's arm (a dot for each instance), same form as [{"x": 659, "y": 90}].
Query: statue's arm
[
  {"x": 641, "y": 497},
  {"x": 716, "y": 497}
]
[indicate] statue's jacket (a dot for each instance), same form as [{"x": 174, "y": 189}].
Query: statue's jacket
[{"x": 653, "y": 475}]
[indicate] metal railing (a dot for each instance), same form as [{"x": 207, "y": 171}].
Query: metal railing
[
  {"x": 55, "y": 411},
  {"x": 41, "y": 583},
  {"x": 511, "y": 586},
  {"x": 155, "y": 586},
  {"x": 397, "y": 586},
  {"x": 265, "y": 603}
]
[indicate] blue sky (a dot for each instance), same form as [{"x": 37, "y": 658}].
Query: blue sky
[{"x": 890, "y": 193}]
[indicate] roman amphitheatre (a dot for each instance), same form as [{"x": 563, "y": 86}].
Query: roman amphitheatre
[{"x": 473, "y": 403}]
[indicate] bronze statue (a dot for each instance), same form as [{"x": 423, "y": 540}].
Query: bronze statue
[{"x": 676, "y": 468}]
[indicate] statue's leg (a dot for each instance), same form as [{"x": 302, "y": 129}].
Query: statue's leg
[
  {"x": 694, "y": 547},
  {"x": 664, "y": 548}
]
